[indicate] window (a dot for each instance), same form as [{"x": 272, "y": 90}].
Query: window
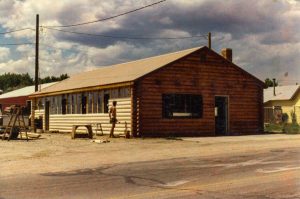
[
  {"x": 95, "y": 95},
  {"x": 59, "y": 106},
  {"x": 78, "y": 103},
  {"x": 53, "y": 106},
  {"x": 182, "y": 106},
  {"x": 27, "y": 109},
  {"x": 90, "y": 102},
  {"x": 64, "y": 106},
  {"x": 40, "y": 104},
  {"x": 99, "y": 102},
  {"x": 83, "y": 104},
  {"x": 106, "y": 100},
  {"x": 73, "y": 97},
  {"x": 69, "y": 103}
]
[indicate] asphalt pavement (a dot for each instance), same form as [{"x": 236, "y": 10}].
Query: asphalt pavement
[{"x": 267, "y": 175}]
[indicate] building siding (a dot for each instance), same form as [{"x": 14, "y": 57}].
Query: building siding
[
  {"x": 63, "y": 123},
  {"x": 13, "y": 101},
  {"x": 287, "y": 106},
  {"x": 210, "y": 78}
]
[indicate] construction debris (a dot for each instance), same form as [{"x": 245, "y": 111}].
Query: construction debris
[
  {"x": 100, "y": 141},
  {"x": 12, "y": 131}
]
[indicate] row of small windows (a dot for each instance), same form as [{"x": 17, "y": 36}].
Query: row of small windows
[
  {"x": 173, "y": 105},
  {"x": 82, "y": 103}
]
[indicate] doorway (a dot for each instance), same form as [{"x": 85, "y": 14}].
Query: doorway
[
  {"x": 47, "y": 114},
  {"x": 221, "y": 115}
]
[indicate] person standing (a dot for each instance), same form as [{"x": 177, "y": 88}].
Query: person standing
[{"x": 113, "y": 118}]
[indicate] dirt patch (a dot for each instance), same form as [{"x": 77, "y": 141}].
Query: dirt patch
[{"x": 58, "y": 152}]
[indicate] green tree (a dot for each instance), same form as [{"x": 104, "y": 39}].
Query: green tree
[
  {"x": 13, "y": 81},
  {"x": 269, "y": 82},
  {"x": 49, "y": 79}
]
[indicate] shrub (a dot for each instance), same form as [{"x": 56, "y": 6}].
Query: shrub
[
  {"x": 285, "y": 118},
  {"x": 292, "y": 129},
  {"x": 294, "y": 117}
]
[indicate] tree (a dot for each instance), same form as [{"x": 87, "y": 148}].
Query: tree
[
  {"x": 12, "y": 81},
  {"x": 269, "y": 82},
  {"x": 49, "y": 79}
]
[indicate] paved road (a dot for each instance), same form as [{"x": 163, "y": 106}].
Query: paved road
[{"x": 272, "y": 174}]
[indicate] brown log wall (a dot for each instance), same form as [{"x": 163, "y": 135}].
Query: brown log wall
[{"x": 210, "y": 78}]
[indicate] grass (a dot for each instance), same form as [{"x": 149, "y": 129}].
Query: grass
[
  {"x": 292, "y": 129},
  {"x": 283, "y": 128}
]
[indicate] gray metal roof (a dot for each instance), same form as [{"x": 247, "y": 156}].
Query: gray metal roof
[
  {"x": 282, "y": 93},
  {"x": 24, "y": 91}
]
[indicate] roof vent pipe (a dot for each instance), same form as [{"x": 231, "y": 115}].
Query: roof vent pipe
[
  {"x": 274, "y": 85},
  {"x": 227, "y": 53}
]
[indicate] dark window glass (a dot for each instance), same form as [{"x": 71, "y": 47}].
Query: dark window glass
[
  {"x": 64, "y": 106},
  {"x": 73, "y": 111},
  {"x": 69, "y": 103},
  {"x": 83, "y": 104},
  {"x": 182, "y": 106},
  {"x": 78, "y": 103},
  {"x": 106, "y": 100},
  {"x": 27, "y": 108},
  {"x": 90, "y": 102},
  {"x": 94, "y": 102}
]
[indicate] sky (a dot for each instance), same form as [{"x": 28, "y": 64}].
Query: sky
[{"x": 264, "y": 35}]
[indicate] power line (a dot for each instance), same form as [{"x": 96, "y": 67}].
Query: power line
[
  {"x": 16, "y": 44},
  {"x": 18, "y": 30},
  {"x": 127, "y": 37},
  {"x": 108, "y": 18}
]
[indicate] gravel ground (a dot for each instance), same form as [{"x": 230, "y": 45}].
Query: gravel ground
[{"x": 58, "y": 152}]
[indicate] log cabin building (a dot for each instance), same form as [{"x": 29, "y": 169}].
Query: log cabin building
[{"x": 194, "y": 92}]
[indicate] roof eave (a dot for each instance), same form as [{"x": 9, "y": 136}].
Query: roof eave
[
  {"x": 295, "y": 93},
  {"x": 77, "y": 90}
]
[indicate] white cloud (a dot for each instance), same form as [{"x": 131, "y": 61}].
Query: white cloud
[
  {"x": 264, "y": 34},
  {"x": 4, "y": 53}
]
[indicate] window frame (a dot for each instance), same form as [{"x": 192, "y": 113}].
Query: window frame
[{"x": 188, "y": 99}]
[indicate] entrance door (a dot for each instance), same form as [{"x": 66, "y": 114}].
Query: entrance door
[
  {"x": 47, "y": 114},
  {"x": 221, "y": 115}
]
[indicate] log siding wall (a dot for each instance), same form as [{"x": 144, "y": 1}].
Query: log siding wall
[
  {"x": 63, "y": 123},
  {"x": 212, "y": 77}
]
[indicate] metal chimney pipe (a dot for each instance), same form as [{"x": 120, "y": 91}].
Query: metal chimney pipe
[{"x": 274, "y": 85}]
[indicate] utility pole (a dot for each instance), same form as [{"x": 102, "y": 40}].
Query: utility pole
[
  {"x": 274, "y": 85},
  {"x": 36, "y": 78},
  {"x": 209, "y": 40},
  {"x": 37, "y": 54}
]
